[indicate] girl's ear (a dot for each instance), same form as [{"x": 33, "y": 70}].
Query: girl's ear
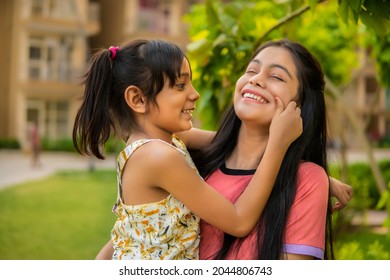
[{"x": 135, "y": 99}]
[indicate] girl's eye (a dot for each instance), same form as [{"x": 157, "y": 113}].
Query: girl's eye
[{"x": 181, "y": 85}]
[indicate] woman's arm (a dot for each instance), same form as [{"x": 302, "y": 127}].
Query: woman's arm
[
  {"x": 341, "y": 191},
  {"x": 196, "y": 138}
]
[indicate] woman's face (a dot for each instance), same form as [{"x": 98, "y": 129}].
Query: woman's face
[{"x": 271, "y": 73}]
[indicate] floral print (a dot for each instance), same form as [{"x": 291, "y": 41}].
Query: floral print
[{"x": 156, "y": 231}]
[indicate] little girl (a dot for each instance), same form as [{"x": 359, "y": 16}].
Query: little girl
[{"x": 143, "y": 92}]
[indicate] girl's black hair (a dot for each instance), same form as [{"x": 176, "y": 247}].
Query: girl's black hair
[
  {"x": 145, "y": 64},
  {"x": 310, "y": 146}
]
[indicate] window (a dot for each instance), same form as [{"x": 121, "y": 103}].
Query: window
[
  {"x": 34, "y": 114},
  {"x": 36, "y": 63},
  {"x": 49, "y": 58},
  {"x": 62, "y": 119},
  {"x": 57, "y": 119},
  {"x": 35, "y": 53},
  {"x": 372, "y": 93},
  {"x": 154, "y": 16},
  {"x": 371, "y": 84},
  {"x": 54, "y": 8},
  {"x": 53, "y": 117},
  {"x": 37, "y": 7}
]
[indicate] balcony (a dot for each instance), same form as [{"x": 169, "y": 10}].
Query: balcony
[{"x": 66, "y": 19}]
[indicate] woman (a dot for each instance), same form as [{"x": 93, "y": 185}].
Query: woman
[{"x": 295, "y": 223}]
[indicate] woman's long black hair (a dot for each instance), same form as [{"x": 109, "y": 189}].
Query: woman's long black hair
[{"x": 310, "y": 146}]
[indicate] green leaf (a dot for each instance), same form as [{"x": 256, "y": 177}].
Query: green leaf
[
  {"x": 343, "y": 10},
  {"x": 198, "y": 46},
  {"x": 313, "y": 4},
  {"x": 385, "y": 197},
  {"x": 222, "y": 38},
  {"x": 377, "y": 8},
  {"x": 378, "y": 25},
  {"x": 212, "y": 15}
]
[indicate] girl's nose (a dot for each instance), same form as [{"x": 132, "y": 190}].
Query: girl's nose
[{"x": 194, "y": 94}]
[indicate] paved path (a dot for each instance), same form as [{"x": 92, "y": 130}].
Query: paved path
[
  {"x": 360, "y": 156},
  {"x": 16, "y": 167}
]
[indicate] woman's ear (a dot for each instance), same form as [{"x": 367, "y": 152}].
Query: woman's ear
[{"x": 135, "y": 99}]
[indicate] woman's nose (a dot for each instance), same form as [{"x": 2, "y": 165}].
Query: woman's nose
[{"x": 257, "y": 80}]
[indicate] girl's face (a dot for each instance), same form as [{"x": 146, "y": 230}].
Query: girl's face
[
  {"x": 271, "y": 73},
  {"x": 175, "y": 105}
]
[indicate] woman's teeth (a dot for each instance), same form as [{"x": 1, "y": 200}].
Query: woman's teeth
[{"x": 255, "y": 97}]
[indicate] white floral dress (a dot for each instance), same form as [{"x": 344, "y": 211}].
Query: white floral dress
[{"x": 156, "y": 231}]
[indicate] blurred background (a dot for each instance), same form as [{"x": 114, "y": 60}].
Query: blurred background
[{"x": 46, "y": 45}]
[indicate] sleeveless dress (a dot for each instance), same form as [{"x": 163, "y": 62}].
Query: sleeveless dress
[{"x": 158, "y": 230}]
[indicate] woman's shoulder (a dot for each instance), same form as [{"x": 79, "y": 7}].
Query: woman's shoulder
[
  {"x": 312, "y": 175},
  {"x": 307, "y": 168}
]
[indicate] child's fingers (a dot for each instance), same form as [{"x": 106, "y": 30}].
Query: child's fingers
[{"x": 337, "y": 206}]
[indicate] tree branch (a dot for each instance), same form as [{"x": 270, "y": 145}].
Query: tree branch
[{"x": 283, "y": 21}]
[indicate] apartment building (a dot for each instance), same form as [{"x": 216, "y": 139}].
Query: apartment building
[
  {"x": 44, "y": 54},
  {"x": 370, "y": 104},
  {"x": 124, "y": 20}
]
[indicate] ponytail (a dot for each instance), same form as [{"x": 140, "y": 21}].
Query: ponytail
[
  {"x": 93, "y": 123},
  {"x": 104, "y": 110}
]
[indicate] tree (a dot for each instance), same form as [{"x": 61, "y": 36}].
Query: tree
[{"x": 224, "y": 36}]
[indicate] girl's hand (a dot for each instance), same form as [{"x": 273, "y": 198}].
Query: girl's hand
[
  {"x": 286, "y": 125},
  {"x": 341, "y": 191}
]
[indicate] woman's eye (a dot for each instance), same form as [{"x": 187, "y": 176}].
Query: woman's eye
[
  {"x": 277, "y": 78},
  {"x": 251, "y": 71}
]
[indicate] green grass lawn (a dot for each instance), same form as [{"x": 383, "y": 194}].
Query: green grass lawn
[
  {"x": 68, "y": 217},
  {"x": 64, "y": 217}
]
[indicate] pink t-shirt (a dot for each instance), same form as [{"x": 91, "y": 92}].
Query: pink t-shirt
[{"x": 305, "y": 232}]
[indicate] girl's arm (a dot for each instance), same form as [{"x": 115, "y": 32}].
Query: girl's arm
[
  {"x": 169, "y": 170},
  {"x": 196, "y": 138},
  {"x": 106, "y": 252},
  {"x": 341, "y": 191}
]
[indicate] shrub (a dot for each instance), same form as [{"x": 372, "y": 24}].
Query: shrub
[
  {"x": 384, "y": 142},
  {"x": 65, "y": 145},
  {"x": 360, "y": 178},
  {"x": 9, "y": 143}
]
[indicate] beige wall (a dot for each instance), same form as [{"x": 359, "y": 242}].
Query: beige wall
[
  {"x": 6, "y": 11},
  {"x": 120, "y": 23},
  {"x": 62, "y": 38}
]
